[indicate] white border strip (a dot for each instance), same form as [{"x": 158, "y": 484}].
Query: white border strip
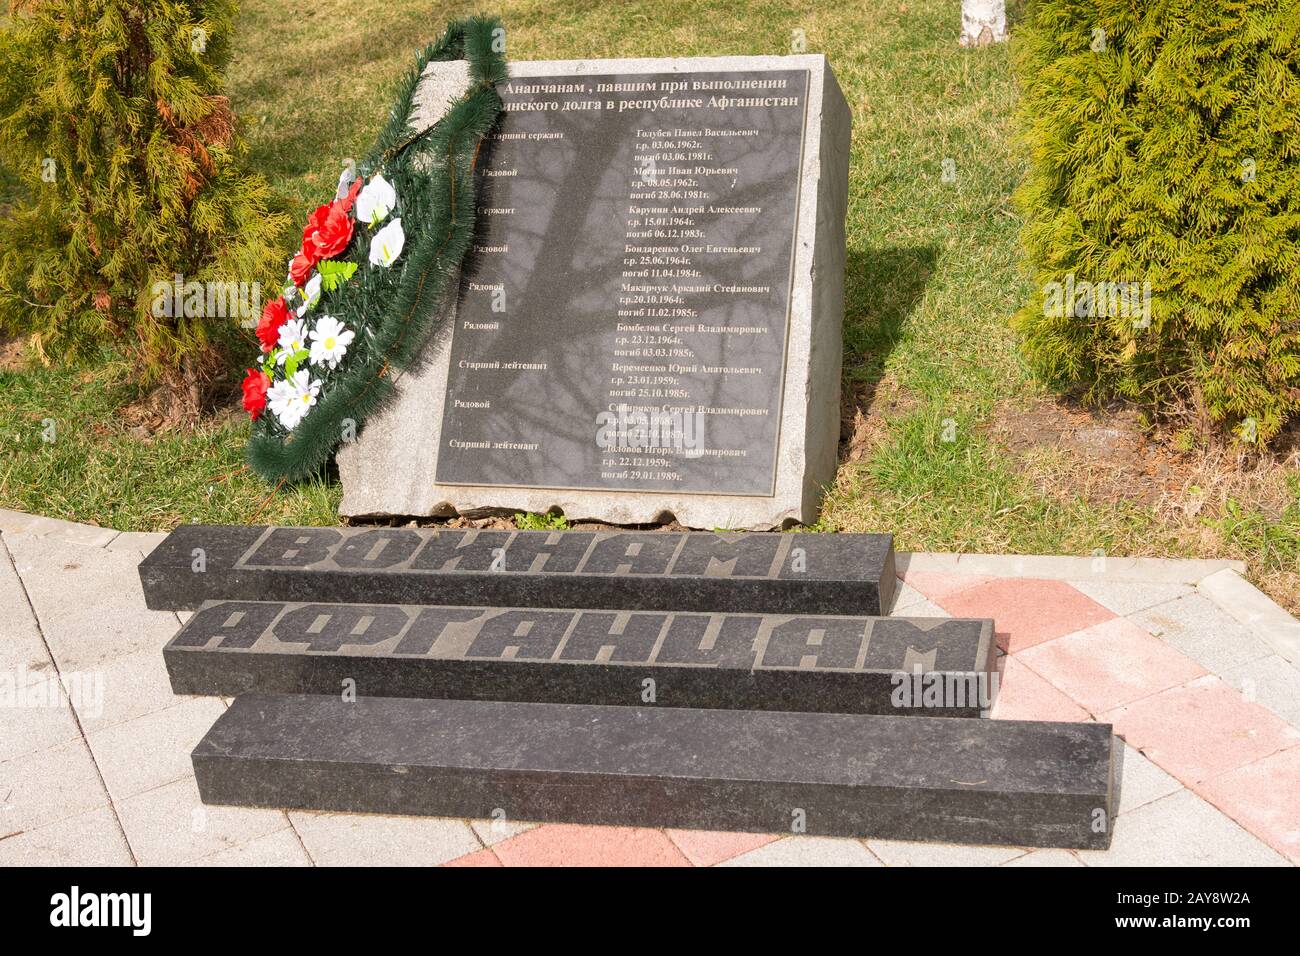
[
  {"x": 1256, "y": 611},
  {"x": 1189, "y": 571}
]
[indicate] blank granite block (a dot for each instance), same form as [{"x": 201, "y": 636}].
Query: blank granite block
[{"x": 1019, "y": 783}]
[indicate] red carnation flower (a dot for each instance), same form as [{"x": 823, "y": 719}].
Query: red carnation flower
[
  {"x": 327, "y": 232},
  {"x": 346, "y": 202},
  {"x": 300, "y": 268},
  {"x": 274, "y": 315},
  {"x": 256, "y": 382}
]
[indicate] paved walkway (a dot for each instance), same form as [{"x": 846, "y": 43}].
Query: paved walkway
[{"x": 1194, "y": 667}]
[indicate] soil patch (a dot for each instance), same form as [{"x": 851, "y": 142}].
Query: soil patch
[
  {"x": 865, "y": 408},
  {"x": 1106, "y": 456},
  {"x": 12, "y": 354}
]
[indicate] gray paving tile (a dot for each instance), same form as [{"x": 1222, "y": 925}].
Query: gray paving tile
[
  {"x": 47, "y": 786},
  {"x": 1180, "y": 830},
  {"x": 807, "y": 851},
  {"x": 1142, "y": 782},
  {"x": 906, "y": 853},
  {"x": 1203, "y": 631},
  {"x": 18, "y": 650},
  {"x": 16, "y": 522},
  {"x": 88, "y": 602},
  {"x": 909, "y": 602},
  {"x": 356, "y": 839},
  {"x": 152, "y": 750},
  {"x": 1270, "y": 681},
  {"x": 36, "y": 717},
  {"x": 133, "y": 685},
  {"x": 1129, "y": 597},
  {"x": 57, "y": 529},
  {"x": 1045, "y": 858},
  {"x": 1263, "y": 616},
  {"x": 20, "y": 637},
  {"x": 280, "y": 848},
  {"x": 88, "y": 839},
  {"x": 904, "y": 594},
  {"x": 139, "y": 543},
  {"x": 170, "y": 825}
]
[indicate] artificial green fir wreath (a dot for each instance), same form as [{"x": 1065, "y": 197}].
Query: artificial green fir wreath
[{"x": 364, "y": 289}]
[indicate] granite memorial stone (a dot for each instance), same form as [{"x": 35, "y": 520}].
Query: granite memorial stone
[{"x": 651, "y": 322}]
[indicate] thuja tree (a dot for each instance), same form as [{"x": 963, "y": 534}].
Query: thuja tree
[
  {"x": 113, "y": 114},
  {"x": 1162, "y": 204}
]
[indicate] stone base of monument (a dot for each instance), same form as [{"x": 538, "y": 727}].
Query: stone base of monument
[
  {"x": 820, "y": 663},
  {"x": 677, "y": 679},
  {"x": 623, "y": 570},
  {"x": 1020, "y": 783}
]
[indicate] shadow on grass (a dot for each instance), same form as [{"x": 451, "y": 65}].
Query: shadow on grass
[{"x": 882, "y": 288}]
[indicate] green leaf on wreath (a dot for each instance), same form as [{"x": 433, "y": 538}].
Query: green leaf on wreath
[{"x": 334, "y": 274}]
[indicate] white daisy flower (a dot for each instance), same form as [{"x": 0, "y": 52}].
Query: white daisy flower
[
  {"x": 310, "y": 293},
  {"x": 329, "y": 341},
  {"x": 279, "y": 397},
  {"x": 291, "y": 399},
  {"x": 293, "y": 339},
  {"x": 386, "y": 244},
  {"x": 375, "y": 201}
]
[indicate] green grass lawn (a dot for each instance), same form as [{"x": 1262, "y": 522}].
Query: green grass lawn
[{"x": 930, "y": 363}]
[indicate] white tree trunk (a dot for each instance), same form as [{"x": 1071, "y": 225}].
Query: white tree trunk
[{"x": 983, "y": 22}]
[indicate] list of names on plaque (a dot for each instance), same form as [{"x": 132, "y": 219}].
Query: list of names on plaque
[{"x": 623, "y": 322}]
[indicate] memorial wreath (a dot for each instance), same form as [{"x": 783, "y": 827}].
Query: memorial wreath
[{"x": 362, "y": 292}]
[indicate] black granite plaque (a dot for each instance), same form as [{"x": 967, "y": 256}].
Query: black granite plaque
[
  {"x": 866, "y": 665},
  {"x": 1023, "y": 783},
  {"x": 755, "y": 572},
  {"x": 623, "y": 325}
]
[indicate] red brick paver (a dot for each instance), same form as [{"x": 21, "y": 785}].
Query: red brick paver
[
  {"x": 1026, "y": 611},
  {"x": 1110, "y": 664},
  {"x": 1024, "y": 695},
  {"x": 707, "y": 847},
  {"x": 1202, "y": 729},
  {"x": 566, "y": 844},
  {"x": 1264, "y": 797}
]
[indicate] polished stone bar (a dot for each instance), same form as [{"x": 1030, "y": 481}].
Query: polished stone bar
[
  {"x": 762, "y": 573},
  {"x": 1021, "y": 783},
  {"x": 835, "y": 664}
]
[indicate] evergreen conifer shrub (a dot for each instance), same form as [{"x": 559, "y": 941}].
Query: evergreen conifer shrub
[
  {"x": 113, "y": 115},
  {"x": 1162, "y": 203}
]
